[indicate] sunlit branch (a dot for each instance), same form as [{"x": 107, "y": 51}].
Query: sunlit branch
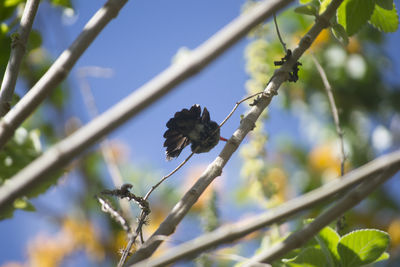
[
  {"x": 18, "y": 48},
  {"x": 232, "y": 232},
  {"x": 179, "y": 211}
]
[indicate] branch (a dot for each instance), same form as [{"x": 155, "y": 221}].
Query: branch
[
  {"x": 230, "y": 233},
  {"x": 335, "y": 114},
  {"x": 168, "y": 226},
  {"x": 18, "y": 48},
  {"x": 60, "y": 154},
  {"x": 59, "y": 70},
  {"x": 300, "y": 237}
]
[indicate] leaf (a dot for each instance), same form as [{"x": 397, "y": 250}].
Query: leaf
[
  {"x": 11, "y": 3},
  {"x": 306, "y": 10},
  {"x": 328, "y": 240},
  {"x": 362, "y": 247},
  {"x": 340, "y": 34},
  {"x": 34, "y": 40},
  {"x": 23, "y": 204},
  {"x": 353, "y": 14},
  {"x": 324, "y": 5},
  {"x": 386, "y": 4},
  {"x": 383, "y": 257},
  {"x": 62, "y": 3},
  {"x": 385, "y": 20},
  {"x": 308, "y": 257}
]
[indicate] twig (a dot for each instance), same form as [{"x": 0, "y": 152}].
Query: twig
[
  {"x": 18, "y": 48},
  {"x": 230, "y": 233},
  {"x": 105, "y": 146},
  {"x": 60, "y": 154},
  {"x": 168, "y": 226},
  {"x": 279, "y": 34},
  {"x": 328, "y": 88},
  {"x": 237, "y": 105},
  {"x": 58, "y": 70},
  {"x": 144, "y": 213},
  {"x": 106, "y": 207},
  {"x": 335, "y": 114},
  {"x": 300, "y": 237}
]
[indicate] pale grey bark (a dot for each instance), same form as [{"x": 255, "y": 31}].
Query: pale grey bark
[{"x": 18, "y": 48}]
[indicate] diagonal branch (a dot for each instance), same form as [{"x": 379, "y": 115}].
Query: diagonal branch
[
  {"x": 335, "y": 113},
  {"x": 300, "y": 237},
  {"x": 179, "y": 211},
  {"x": 59, "y": 70},
  {"x": 18, "y": 48},
  {"x": 230, "y": 233},
  {"x": 60, "y": 154}
]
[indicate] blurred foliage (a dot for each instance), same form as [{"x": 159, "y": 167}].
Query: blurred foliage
[
  {"x": 368, "y": 107},
  {"x": 367, "y": 103},
  {"x": 328, "y": 248}
]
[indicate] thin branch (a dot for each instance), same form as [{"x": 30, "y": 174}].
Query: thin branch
[
  {"x": 18, "y": 48},
  {"x": 335, "y": 114},
  {"x": 60, "y": 154},
  {"x": 144, "y": 213},
  {"x": 279, "y": 34},
  {"x": 230, "y": 233},
  {"x": 105, "y": 146},
  {"x": 300, "y": 237},
  {"x": 107, "y": 208},
  {"x": 58, "y": 70},
  {"x": 179, "y": 211}
]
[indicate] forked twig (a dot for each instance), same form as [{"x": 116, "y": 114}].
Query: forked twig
[{"x": 144, "y": 213}]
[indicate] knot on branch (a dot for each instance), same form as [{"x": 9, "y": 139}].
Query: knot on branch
[
  {"x": 124, "y": 192},
  {"x": 294, "y": 73}
]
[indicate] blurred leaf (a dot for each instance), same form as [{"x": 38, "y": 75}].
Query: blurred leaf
[
  {"x": 354, "y": 14},
  {"x": 34, "y": 40},
  {"x": 309, "y": 257},
  {"x": 340, "y": 34},
  {"x": 62, "y": 3},
  {"x": 386, "y": 4},
  {"x": 308, "y": 9},
  {"x": 385, "y": 20},
  {"x": 324, "y": 5},
  {"x": 362, "y": 247},
  {"x": 11, "y": 3},
  {"x": 328, "y": 240},
  {"x": 23, "y": 204}
]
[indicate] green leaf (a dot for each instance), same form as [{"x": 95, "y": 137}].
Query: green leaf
[
  {"x": 340, "y": 34},
  {"x": 11, "y": 3},
  {"x": 324, "y": 5},
  {"x": 386, "y": 4},
  {"x": 385, "y": 20},
  {"x": 309, "y": 257},
  {"x": 23, "y": 204},
  {"x": 383, "y": 257},
  {"x": 304, "y": 1},
  {"x": 308, "y": 9},
  {"x": 34, "y": 40},
  {"x": 362, "y": 247},
  {"x": 62, "y": 3},
  {"x": 354, "y": 14},
  {"x": 328, "y": 240}
]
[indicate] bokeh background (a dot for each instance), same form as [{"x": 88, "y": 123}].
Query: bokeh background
[{"x": 293, "y": 149}]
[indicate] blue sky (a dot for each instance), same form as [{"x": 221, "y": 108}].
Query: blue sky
[{"x": 137, "y": 45}]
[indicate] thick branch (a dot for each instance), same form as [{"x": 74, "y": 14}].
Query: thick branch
[
  {"x": 230, "y": 233},
  {"x": 300, "y": 237},
  {"x": 58, "y": 71},
  {"x": 168, "y": 226},
  {"x": 59, "y": 155},
  {"x": 18, "y": 48}
]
